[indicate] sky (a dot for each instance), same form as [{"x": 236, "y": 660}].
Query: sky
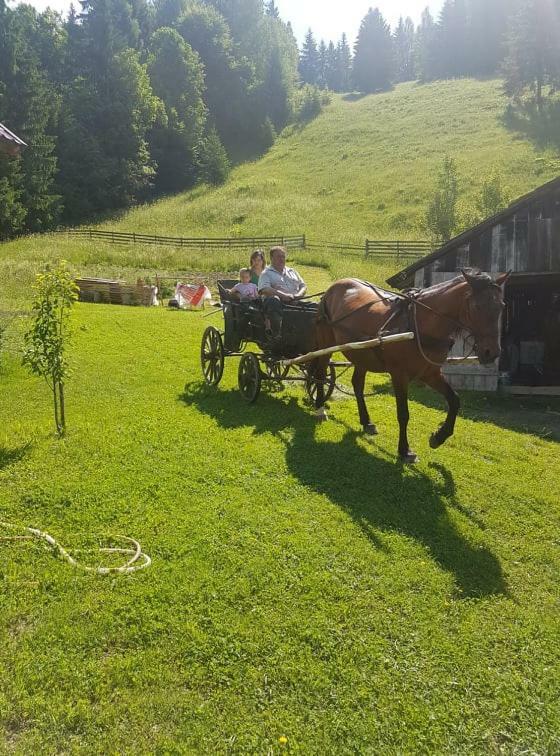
[{"x": 327, "y": 18}]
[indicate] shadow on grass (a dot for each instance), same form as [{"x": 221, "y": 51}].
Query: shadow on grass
[
  {"x": 376, "y": 491},
  {"x": 10, "y": 456},
  {"x": 542, "y": 126},
  {"x": 535, "y": 416}
]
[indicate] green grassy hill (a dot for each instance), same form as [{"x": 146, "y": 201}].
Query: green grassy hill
[
  {"x": 364, "y": 168},
  {"x": 307, "y": 595}
]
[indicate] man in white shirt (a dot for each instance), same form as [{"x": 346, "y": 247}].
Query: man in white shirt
[{"x": 279, "y": 285}]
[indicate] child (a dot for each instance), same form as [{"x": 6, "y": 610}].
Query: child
[{"x": 245, "y": 290}]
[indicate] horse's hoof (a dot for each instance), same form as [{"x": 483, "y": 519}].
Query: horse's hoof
[
  {"x": 371, "y": 430},
  {"x": 409, "y": 459},
  {"x": 436, "y": 441}
]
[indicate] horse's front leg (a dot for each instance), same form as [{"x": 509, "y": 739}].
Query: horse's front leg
[
  {"x": 400, "y": 387},
  {"x": 436, "y": 381},
  {"x": 358, "y": 384}
]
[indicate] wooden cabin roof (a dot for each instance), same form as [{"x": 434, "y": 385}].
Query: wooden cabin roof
[
  {"x": 400, "y": 279},
  {"x": 10, "y": 143}
]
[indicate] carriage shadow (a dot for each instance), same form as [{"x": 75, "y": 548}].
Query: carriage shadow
[{"x": 378, "y": 493}]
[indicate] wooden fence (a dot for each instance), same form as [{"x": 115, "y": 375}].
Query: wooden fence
[
  {"x": 121, "y": 237},
  {"x": 399, "y": 250}
]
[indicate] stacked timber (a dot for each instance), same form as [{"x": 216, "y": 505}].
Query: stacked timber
[{"x": 114, "y": 292}]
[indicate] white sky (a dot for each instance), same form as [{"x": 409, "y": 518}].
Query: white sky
[{"x": 327, "y": 18}]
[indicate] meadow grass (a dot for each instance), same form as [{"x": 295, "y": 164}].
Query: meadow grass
[{"x": 304, "y": 585}]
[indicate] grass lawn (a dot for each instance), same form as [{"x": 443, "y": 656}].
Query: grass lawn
[{"x": 303, "y": 584}]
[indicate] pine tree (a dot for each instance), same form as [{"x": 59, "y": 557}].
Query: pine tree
[
  {"x": 487, "y": 35},
  {"x": 373, "y": 54},
  {"x": 344, "y": 65},
  {"x": 214, "y": 164},
  {"x": 453, "y": 39},
  {"x": 322, "y": 68},
  {"x": 309, "y": 60},
  {"x": 425, "y": 55},
  {"x": 332, "y": 78},
  {"x": 404, "y": 49},
  {"x": 177, "y": 79},
  {"x": 271, "y": 9},
  {"x": 533, "y": 57}
]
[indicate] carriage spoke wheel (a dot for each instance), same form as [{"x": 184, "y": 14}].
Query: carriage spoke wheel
[
  {"x": 312, "y": 384},
  {"x": 249, "y": 377},
  {"x": 212, "y": 356},
  {"x": 276, "y": 371}
]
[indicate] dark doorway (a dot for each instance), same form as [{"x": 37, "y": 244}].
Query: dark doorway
[{"x": 531, "y": 342}]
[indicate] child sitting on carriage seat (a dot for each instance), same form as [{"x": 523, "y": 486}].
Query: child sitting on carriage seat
[{"x": 245, "y": 291}]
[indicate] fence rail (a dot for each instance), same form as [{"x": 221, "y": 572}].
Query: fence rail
[
  {"x": 399, "y": 249},
  {"x": 405, "y": 250},
  {"x": 122, "y": 237}
]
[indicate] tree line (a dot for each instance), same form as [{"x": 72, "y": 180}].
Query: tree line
[
  {"x": 124, "y": 100},
  {"x": 519, "y": 39}
]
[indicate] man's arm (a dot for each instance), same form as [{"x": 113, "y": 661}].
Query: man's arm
[{"x": 268, "y": 291}]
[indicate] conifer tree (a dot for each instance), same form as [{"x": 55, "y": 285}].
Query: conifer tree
[
  {"x": 309, "y": 60},
  {"x": 373, "y": 54},
  {"x": 177, "y": 79},
  {"x": 344, "y": 65},
  {"x": 332, "y": 78},
  {"x": 272, "y": 9},
  {"x": 322, "y": 68},
  {"x": 425, "y": 55},
  {"x": 453, "y": 39},
  {"x": 404, "y": 49},
  {"x": 533, "y": 55}
]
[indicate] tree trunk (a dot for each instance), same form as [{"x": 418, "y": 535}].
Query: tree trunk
[
  {"x": 62, "y": 413},
  {"x": 55, "y": 402}
]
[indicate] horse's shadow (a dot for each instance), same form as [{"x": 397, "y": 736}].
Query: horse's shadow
[{"x": 377, "y": 492}]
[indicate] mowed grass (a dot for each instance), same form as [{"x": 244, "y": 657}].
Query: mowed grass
[{"x": 304, "y": 585}]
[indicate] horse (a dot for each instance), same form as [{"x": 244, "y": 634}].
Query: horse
[{"x": 353, "y": 310}]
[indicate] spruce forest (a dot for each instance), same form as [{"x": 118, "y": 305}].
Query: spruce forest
[{"x": 124, "y": 101}]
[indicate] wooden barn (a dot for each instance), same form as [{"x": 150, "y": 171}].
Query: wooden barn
[
  {"x": 10, "y": 144},
  {"x": 524, "y": 239}
]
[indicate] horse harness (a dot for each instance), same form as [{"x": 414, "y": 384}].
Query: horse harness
[{"x": 407, "y": 303}]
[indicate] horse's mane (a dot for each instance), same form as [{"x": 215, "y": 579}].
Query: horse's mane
[{"x": 482, "y": 280}]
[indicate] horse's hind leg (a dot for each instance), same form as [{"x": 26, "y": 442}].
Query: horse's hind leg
[
  {"x": 436, "y": 381},
  {"x": 400, "y": 387},
  {"x": 318, "y": 372},
  {"x": 358, "y": 384}
]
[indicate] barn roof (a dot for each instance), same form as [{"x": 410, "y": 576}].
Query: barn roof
[
  {"x": 400, "y": 279},
  {"x": 9, "y": 142}
]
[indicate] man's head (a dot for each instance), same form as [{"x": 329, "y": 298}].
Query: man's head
[
  {"x": 278, "y": 258},
  {"x": 245, "y": 275}
]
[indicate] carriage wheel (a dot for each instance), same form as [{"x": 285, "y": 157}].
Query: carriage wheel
[
  {"x": 212, "y": 356},
  {"x": 312, "y": 384},
  {"x": 276, "y": 371},
  {"x": 249, "y": 377}
]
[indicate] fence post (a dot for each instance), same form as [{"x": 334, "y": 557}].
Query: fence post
[
  {"x": 304, "y": 242},
  {"x": 398, "y": 251},
  {"x": 367, "y": 248}
]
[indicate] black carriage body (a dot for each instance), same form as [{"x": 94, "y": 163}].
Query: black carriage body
[{"x": 244, "y": 322}]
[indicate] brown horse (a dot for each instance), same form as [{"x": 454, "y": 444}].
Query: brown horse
[{"x": 353, "y": 310}]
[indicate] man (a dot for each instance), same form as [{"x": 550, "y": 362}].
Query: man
[{"x": 279, "y": 285}]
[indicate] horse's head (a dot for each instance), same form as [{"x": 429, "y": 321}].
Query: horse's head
[{"x": 485, "y": 305}]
